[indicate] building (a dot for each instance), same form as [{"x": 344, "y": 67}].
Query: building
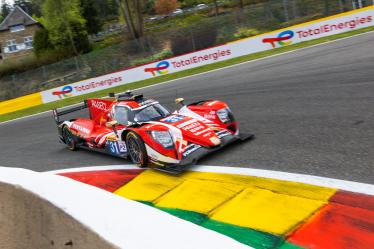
[{"x": 16, "y": 34}]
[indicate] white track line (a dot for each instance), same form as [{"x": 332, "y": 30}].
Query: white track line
[
  {"x": 93, "y": 168},
  {"x": 211, "y": 71},
  {"x": 278, "y": 175}
]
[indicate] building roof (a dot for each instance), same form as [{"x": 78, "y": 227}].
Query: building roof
[{"x": 17, "y": 17}]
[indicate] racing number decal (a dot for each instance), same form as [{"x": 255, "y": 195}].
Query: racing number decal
[{"x": 116, "y": 148}]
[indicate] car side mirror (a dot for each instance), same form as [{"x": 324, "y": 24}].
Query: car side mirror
[
  {"x": 111, "y": 123},
  {"x": 179, "y": 101}
]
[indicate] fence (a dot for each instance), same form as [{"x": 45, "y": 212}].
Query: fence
[{"x": 162, "y": 42}]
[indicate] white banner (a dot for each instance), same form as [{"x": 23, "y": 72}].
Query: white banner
[{"x": 332, "y": 25}]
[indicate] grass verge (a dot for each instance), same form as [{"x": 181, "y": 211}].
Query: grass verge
[{"x": 160, "y": 79}]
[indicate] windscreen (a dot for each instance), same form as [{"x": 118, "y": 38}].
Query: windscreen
[{"x": 151, "y": 113}]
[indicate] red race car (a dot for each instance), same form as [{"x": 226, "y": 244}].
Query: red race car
[{"x": 131, "y": 126}]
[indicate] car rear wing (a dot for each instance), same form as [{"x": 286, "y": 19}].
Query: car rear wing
[{"x": 57, "y": 114}]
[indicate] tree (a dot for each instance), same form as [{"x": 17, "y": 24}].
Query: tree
[
  {"x": 31, "y": 7},
  {"x": 216, "y": 7},
  {"x": 165, "y": 7},
  {"x": 25, "y": 5},
  {"x": 91, "y": 15},
  {"x": 149, "y": 7},
  {"x": 36, "y": 7},
  {"x": 327, "y": 7},
  {"x": 132, "y": 11},
  {"x": 5, "y": 10},
  {"x": 65, "y": 24},
  {"x": 285, "y": 10},
  {"x": 108, "y": 9},
  {"x": 189, "y": 3},
  {"x": 41, "y": 41},
  {"x": 241, "y": 4}
]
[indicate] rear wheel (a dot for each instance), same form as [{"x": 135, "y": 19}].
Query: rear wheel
[
  {"x": 69, "y": 139},
  {"x": 136, "y": 149}
]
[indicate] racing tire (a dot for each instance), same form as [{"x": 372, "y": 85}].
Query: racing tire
[
  {"x": 136, "y": 149},
  {"x": 69, "y": 139}
]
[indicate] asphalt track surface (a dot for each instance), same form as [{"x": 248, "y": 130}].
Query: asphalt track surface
[{"x": 312, "y": 112}]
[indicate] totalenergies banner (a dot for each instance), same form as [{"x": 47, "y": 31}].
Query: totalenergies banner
[{"x": 332, "y": 25}]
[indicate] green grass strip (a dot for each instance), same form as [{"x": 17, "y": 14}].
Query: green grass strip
[
  {"x": 288, "y": 245},
  {"x": 148, "y": 203},
  {"x": 190, "y": 216},
  {"x": 148, "y": 82},
  {"x": 247, "y": 236}
]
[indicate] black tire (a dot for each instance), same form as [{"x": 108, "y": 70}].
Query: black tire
[
  {"x": 136, "y": 149},
  {"x": 69, "y": 139}
]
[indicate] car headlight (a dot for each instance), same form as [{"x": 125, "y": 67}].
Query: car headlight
[
  {"x": 224, "y": 115},
  {"x": 164, "y": 138}
]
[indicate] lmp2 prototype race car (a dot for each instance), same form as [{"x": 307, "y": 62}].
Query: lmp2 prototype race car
[{"x": 131, "y": 126}]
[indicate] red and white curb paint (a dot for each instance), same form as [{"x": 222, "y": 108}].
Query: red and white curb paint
[
  {"x": 140, "y": 227},
  {"x": 327, "y": 227}
]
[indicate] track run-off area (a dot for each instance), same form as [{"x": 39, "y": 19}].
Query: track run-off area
[{"x": 312, "y": 111}]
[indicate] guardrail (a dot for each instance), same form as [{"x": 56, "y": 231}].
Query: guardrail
[{"x": 352, "y": 20}]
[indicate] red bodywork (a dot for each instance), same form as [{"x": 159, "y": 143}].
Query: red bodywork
[{"x": 192, "y": 127}]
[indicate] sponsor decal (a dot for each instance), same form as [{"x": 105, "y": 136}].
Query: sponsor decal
[
  {"x": 102, "y": 119},
  {"x": 116, "y": 147},
  {"x": 201, "y": 58},
  {"x": 80, "y": 128},
  {"x": 211, "y": 115},
  {"x": 98, "y": 84},
  {"x": 334, "y": 27},
  {"x": 282, "y": 39},
  {"x": 191, "y": 121},
  {"x": 99, "y": 105},
  {"x": 193, "y": 126},
  {"x": 64, "y": 93},
  {"x": 190, "y": 149},
  {"x": 160, "y": 68},
  {"x": 173, "y": 119},
  {"x": 83, "y": 87}
]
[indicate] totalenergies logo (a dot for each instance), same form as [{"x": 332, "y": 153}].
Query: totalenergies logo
[
  {"x": 64, "y": 93},
  {"x": 281, "y": 39},
  {"x": 160, "y": 68}
]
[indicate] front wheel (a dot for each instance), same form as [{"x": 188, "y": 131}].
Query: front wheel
[
  {"x": 136, "y": 149},
  {"x": 69, "y": 139}
]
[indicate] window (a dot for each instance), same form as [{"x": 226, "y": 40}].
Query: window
[
  {"x": 122, "y": 114},
  {"x": 149, "y": 113},
  {"x": 28, "y": 41},
  {"x": 17, "y": 28},
  {"x": 12, "y": 45}
]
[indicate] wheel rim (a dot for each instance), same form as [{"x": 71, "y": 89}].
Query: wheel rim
[
  {"x": 134, "y": 151},
  {"x": 68, "y": 138}
]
